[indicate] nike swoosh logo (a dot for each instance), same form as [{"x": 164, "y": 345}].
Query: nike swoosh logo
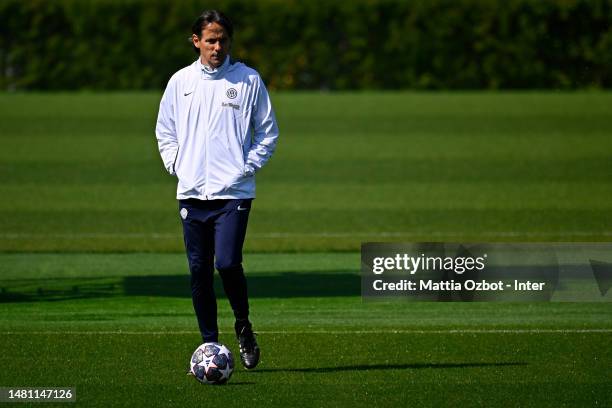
[
  {"x": 188, "y": 93},
  {"x": 242, "y": 209}
]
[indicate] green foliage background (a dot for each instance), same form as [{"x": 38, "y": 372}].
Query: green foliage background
[{"x": 315, "y": 44}]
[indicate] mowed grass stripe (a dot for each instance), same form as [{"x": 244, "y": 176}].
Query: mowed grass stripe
[
  {"x": 531, "y": 164},
  {"x": 360, "y": 370},
  {"x": 283, "y": 235},
  {"x": 308, "y": 332},
  {"x": 289, "y": 292}
]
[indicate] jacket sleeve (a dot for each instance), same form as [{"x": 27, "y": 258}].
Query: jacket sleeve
[
  {"x": 265, "y": 130},
  {"x": 165, "y": 130}
]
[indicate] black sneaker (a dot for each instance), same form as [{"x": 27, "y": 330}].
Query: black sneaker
[{"x": 249, "y": 350}]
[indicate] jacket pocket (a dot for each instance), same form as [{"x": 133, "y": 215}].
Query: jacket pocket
[{"x": 235, "y": 181}]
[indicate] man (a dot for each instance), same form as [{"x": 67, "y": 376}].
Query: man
[{"x": 215, "y": 130}]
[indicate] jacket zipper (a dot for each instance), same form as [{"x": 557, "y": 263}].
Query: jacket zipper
[
  {"x": 243, "y": 158},
  {"x": 206, "y": 137}
]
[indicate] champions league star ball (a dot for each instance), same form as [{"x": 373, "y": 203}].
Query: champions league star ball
[{"x": 212, "y": 363}]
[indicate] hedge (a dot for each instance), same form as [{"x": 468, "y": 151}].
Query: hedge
[{"x": 313, "y": 44}]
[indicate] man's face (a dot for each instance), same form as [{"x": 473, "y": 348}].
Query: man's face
[{"x": 214, "y": 44}]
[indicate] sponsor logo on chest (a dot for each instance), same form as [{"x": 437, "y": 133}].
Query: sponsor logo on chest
[
  {"x": 230, "y": 105},
  {"x": 231, "y": 93}
]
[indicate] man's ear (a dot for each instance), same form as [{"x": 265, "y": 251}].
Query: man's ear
[{"x": 195, "y": 40}]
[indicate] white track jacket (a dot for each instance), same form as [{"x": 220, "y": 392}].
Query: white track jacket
[{"x": 215, "y": 130}]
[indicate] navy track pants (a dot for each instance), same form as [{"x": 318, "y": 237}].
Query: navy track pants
[{"x": 214, "y": 232}]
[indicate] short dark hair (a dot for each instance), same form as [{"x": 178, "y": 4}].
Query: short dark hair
[{"x": 211, "y": 16}]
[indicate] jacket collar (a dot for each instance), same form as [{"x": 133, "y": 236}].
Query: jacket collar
[{"x": 207, "y": 72}]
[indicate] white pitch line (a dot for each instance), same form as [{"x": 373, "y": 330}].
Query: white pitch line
[
  {"x": 421, "y": 234},
  {"x": 322, "y": 234},
  {"x": 449, "y": 331}
]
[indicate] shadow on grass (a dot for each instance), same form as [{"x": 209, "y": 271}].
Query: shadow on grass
[
  {"x": 232, "y": 383},
  {"x": 386, "y": 367},
  {"x": 280, "y": 285}
]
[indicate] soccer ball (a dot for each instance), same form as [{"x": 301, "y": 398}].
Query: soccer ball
[{"x": 212, "y": 363}]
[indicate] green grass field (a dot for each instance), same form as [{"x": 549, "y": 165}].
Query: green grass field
[
  {"x": 81, "y": 172},
  {"x": 120, "y": 329},
  {"x": 94, "y": 285}
]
